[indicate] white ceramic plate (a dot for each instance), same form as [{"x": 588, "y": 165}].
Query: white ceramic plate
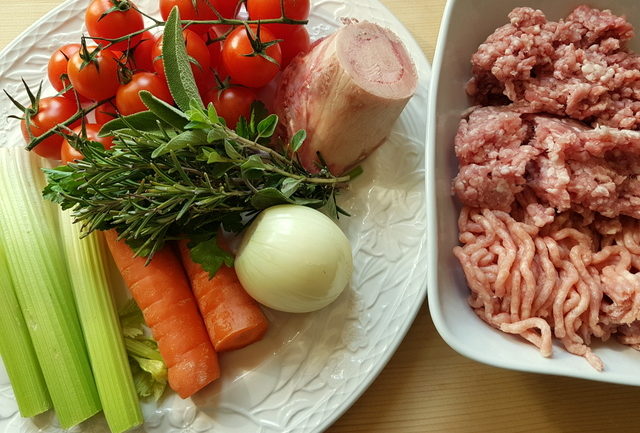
[
  {"x": 465, "y": 25},
  {"x": 310, "y": 368}
]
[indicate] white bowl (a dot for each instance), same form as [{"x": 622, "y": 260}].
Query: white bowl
[{"x": 465, "y": 25}]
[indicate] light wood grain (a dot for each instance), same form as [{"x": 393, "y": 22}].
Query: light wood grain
[{"x": 427, "y": 387}]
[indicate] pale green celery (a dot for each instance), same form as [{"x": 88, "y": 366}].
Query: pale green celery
[
  {"x": 86, "y": 257},
  {"x": 38, "y": 269},
  {"x": 148, "y": 368},
  {"x": 17, "y": 351}
]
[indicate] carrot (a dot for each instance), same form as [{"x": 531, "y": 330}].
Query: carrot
[
  {"x": 232, "y": 317},
  {"x": 162, "y": 292}
]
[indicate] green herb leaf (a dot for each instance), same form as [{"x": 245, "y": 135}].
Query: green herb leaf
[
  {"x": 145, "y": 121},
  {"x": 289, "y": 186},
  {"x": 267, "y": 126},
  {"x": 181, "y": 141},
  {"x": 216, "y": 134},
  {"x": 231, "y": 151},
  {"x": 166, "y": 112},
  {"x": 355, "y": 172},
  {"x": 268, "y": 197},
  {"x": 253, "y": 163},
  {"x": 176, "y": 63},
  {"x": 298, "y": 140},
  {"x": 209, "y": 255},
  {"x": 213, "y": 115},
  {"x": 213, "y": 157}
]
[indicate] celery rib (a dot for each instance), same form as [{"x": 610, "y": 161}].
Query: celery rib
[
  {"x": 101, "y": 326},
  {"x": 17, "y": 351},
  {"x": 43, "y": 289}
]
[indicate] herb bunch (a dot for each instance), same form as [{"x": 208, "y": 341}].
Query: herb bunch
[{"x": 174, "y": 173}]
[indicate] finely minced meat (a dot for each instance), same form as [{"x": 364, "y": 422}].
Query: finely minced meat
[{"x": 577, "y": 67}]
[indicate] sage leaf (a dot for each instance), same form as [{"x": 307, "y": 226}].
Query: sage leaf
[
  {"x": 144, "y": 121},
  {"x": 176, "y": 63},
  {"x": 179, "y": 142},
  {"x": 164, "y": 111},
  {"x": 298, "y": 140},
  {"x": 267, "y": 126}
]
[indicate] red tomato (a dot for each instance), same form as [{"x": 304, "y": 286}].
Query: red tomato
[
  {"x": 202, "y": 11},
  {"x": 57, "y": 67},
  {"x": 269, "y": 9},
  {"x": 250, "y": 71},
  {"x": 68, "y": 153},
  {"x": 215, "y": 48},
  {"x": 115, "y": 24},
  {"x": 294, "y": 43},
  {"x": 98, "y": 79},
  {"x": 232, "y": 103},
  {"x": 141, "y": 54},
  {"x": 51, "y": 112},
  {"x": 196, "y": 49},
  {"x": 128, "y": 99},
  {"x": 105, "y": 113}
]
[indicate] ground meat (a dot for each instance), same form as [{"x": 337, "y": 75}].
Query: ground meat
[
  {"x": 565, "y": 164},
  {"x": 577, "y": 67},
  {"x": 492, "y": 158},
  {"x": 579, "y": 167}
]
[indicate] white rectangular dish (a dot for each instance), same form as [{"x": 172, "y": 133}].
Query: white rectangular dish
[{"x": 465, "y": 25}]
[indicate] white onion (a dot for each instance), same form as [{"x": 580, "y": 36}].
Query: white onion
[{"x": 294, "y": 259}]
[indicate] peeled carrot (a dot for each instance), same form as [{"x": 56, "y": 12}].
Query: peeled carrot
[
  {"x": 162, "y": 292},
  {"x": 232, "y": 317}
]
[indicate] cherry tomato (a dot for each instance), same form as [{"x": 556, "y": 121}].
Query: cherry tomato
[
  {"x": 231, "y": 103},
  {"x": 196, "y": 49},
  {"x": 202, "y": 11},
  {"x": 105, "y": 113},
  {"x": 57, "y": 67},
  {"x": 68, "y": 153},
  {"x": 140, "y": 55},
  {"x": 114, "y": 24},
  {"x": 250, "y": 71},
  {"x": 215, "y": 47},
  {"x": 269, "y": 9},
  {"x": 98, "y": 79},
  {"x": 294, "y": 43},
  {"x": 128, "y": 99},
  {"x": 51, "y": 112}
]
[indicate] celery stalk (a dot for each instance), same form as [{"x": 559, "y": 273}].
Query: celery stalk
[
  {"x": 17, "y": 351},
  {"x": 87, "y": 266},
  {"x": 37, "y": 266}
]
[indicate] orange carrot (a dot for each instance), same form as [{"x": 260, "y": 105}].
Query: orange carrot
[
  {"x": 162, "y": 292},
  {"x": 232, "y": 317}
]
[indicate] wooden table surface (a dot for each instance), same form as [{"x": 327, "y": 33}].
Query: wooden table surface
[{"x": 427, "y": 387}]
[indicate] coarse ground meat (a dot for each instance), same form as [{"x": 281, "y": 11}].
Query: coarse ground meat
[
  {"x": 492, "y": 158},
  {"x": 566, "y": 164},
  {"x": 579, "y": 167},
  {"x": 577, "y": 67}
]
